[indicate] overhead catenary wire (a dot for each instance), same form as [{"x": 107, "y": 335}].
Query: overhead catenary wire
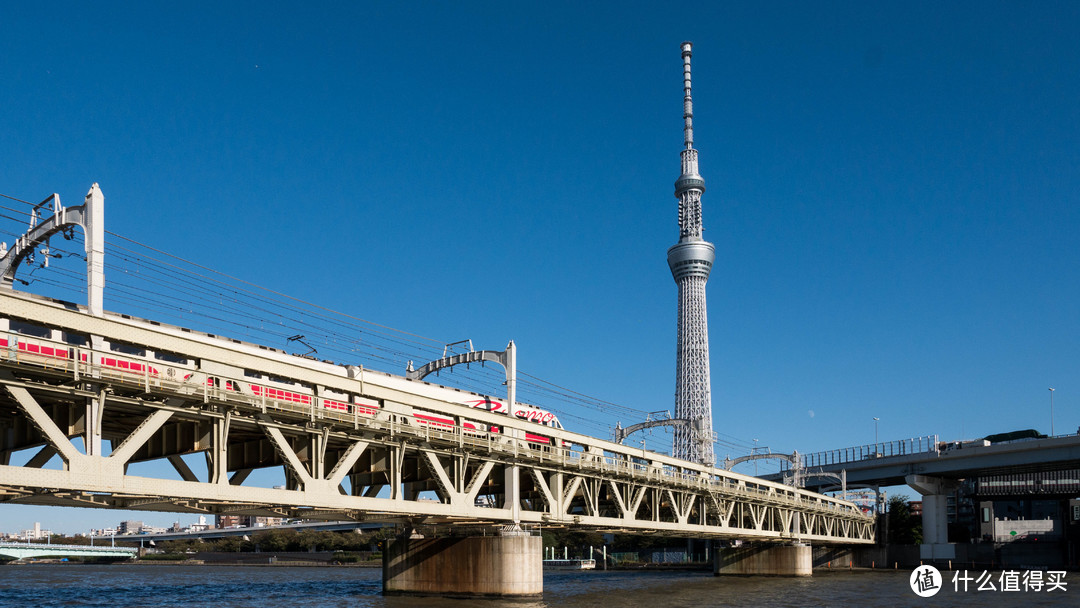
[
  {"x": 12, "y": 198},
  {"x": 148, "y": 279}
]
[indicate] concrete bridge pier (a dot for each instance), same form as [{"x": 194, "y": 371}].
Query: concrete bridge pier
[
  {"x": 935, "y": 523},
  {"x": 764, "y": 560},
  {"x": 506, "y": 565}
]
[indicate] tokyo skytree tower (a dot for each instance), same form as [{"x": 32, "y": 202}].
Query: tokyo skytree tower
[{"x": 690, "y": 261}]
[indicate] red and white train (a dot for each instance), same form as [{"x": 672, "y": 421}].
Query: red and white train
[{"x": 37, "y": 344}]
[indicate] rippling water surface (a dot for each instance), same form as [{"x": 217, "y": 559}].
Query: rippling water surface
[{"x": 123, "y": 586}]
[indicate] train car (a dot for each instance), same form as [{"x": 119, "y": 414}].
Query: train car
[
  {"x": 125, "y": 363},
  {"x": 522, "y": 411}
]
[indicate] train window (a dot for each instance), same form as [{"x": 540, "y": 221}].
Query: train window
[
  {"x": 29, "y": 329},
  {"x": 280, "y": 379},
  {"x": 171, "y": 358},
  {"x": 76, "y": 339},
  {"x": 127, "y": 349},
  {"x": 250, "y": 373}
]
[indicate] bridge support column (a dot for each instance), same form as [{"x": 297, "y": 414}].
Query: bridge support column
[
  {"x": 764, "y": 560},
  {"x": 935, "y": 523},
  {"x": 508, "y": 565}
]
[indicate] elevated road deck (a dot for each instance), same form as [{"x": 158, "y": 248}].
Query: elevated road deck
[{"x": 877, "y": 465}]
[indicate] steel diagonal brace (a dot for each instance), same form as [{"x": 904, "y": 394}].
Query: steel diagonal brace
[
  {"x": 182, "y": 468},
  {"x": 42, "y": 421},
  {"x": 689, "y": 500},
  {"x": 681, "y": 505},
  {"x": 786, "y": 516},
  {"x": 541, "y": 483},
  {"x": 592, "y": 497},
  {"x": 139, "y": 436},
  {"x": 714, "y": 504},
  {"x": 760, "y": 512},
  {"x": 635, "y": 502},
  {"x": 239, "y": 476},
  {"x": 618, "y": 498},
  {"x": 431, "y": 461},
  {"x": 43, "y": 456},
  {"x": 725, "y": 510},
  {"x": 285, "y": 450},
  {"x": 568, "y": 494},
  {"x": 345, "y": 464},
  {"x": 478, "y": 482}
]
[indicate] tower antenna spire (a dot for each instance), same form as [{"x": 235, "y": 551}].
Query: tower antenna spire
[
  {"x": 688, "y": 103},
  {"x": 690, "y": 261}
]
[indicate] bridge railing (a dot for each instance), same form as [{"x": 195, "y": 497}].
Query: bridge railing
[{"x": 902, "y": 447}]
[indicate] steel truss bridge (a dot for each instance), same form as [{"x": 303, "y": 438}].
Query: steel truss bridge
[
  {"x": 355, "y": 444},
  {"x": 40, "y": 550}
]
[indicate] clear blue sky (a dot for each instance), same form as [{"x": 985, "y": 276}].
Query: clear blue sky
[{"x": 892, "y": 188}]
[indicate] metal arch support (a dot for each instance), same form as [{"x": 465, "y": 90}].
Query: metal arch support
[
  {"x": 621, "y": 433},
  {"x": 475, "y": 356},
  {"x": 90, "y": 216},
  {"x": 729, "y": 463},
  {"x": 506, "y": 358},
  {"x": 841, "y": 477},
  {"x": 61, "y": 220}
]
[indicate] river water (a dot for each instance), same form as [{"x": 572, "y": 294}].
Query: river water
[{"x": 158, "y": 586}]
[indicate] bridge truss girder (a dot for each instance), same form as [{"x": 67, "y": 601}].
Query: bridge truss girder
[
  {"x": 386, "y": 471},
  {"x": 339, "y": 466}
]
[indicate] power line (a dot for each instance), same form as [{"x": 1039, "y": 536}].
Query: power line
[{"x": 149, "y": 279}]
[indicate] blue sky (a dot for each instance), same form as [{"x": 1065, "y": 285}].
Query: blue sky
[{"x": 892, "y": 188}]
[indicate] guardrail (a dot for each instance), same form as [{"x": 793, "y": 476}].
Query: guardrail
[{"x": 903, "y": 447}]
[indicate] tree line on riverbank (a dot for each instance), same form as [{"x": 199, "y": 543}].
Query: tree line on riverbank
[{"x": 283, "y": 540}]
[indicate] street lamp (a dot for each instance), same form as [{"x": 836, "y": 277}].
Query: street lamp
[
  {"x": 1051, "y": 412},
  {"x": 875, "y": 433}
]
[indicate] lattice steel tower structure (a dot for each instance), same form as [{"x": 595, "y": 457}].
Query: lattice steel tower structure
[{"x": 690, "y": 261}]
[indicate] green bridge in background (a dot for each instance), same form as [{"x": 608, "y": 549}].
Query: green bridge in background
[{"x": 27, "y": 550}]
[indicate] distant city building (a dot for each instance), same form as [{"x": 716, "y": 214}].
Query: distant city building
[
  {"x": 228, "y": 521},
  {"x": 246, "y": 521},
  {"x": 129, "y": 527},
  {"x": 916, "y": 507},
  {"x": 36, "y": 534},
  {"x": 200, "y": 526}
]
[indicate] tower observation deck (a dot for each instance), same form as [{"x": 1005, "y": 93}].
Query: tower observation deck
[{"x": 690, "y": 261}]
